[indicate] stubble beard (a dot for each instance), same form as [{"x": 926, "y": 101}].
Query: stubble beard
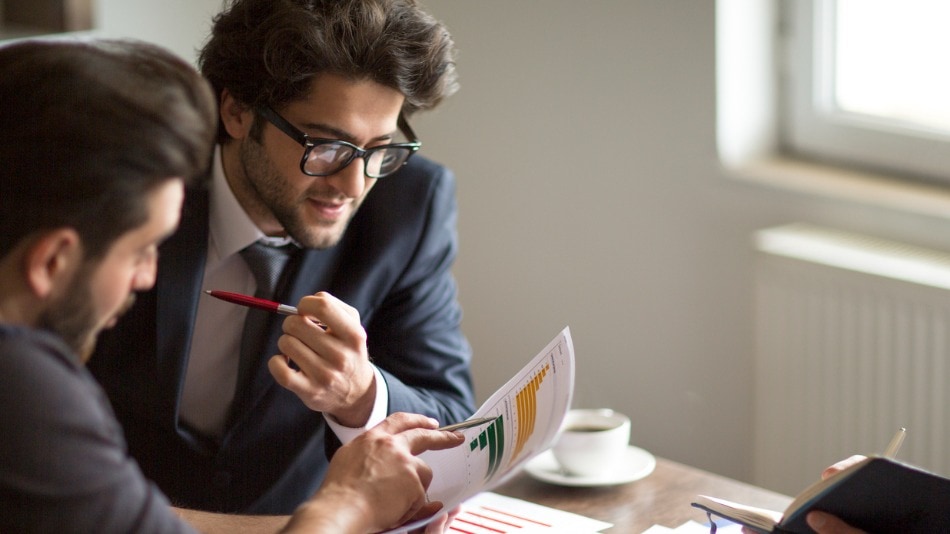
[
  {"x": 73, "y": 317},
  {"x": 270, "y": 196}
]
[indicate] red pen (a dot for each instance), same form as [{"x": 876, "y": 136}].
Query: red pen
[{"x": 253, "y": 302}]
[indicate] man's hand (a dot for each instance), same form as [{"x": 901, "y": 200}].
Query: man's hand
[
  {"x": 823, "y": 523},
  {"x": 439, "y": 525},
  {"x": 376, "y": 482},
  {"x": 841, "y": 466},
  {"x": 328, "y": 344}
]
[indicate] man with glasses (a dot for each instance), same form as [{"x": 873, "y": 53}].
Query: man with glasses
[
  {"x": 131, "y": 125},
  {"x": 315, "y": 199}
]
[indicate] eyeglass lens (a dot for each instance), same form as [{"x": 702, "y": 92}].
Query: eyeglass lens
[{"x": 330, "y": 157}]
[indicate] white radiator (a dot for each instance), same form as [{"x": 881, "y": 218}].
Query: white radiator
[{"x": 852, "y": 343}]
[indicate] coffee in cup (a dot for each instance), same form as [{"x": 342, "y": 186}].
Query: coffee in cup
[{"x": 591, "y": 442}]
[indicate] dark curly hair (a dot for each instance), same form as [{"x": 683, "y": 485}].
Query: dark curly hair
[{"x": 267, "y": 52}]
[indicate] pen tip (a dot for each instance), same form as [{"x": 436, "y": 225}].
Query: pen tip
[{"x": 208, "y": 291}]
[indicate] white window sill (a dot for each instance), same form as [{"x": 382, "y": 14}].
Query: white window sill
[{"x": 878, "y": 190}]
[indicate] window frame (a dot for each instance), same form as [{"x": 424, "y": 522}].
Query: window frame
[{"x": 811, "y": 128}]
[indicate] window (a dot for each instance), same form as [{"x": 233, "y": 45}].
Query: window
[{"x": 865, "y": 83}]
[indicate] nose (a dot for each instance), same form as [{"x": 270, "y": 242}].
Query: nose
[{"x": 350, "y": 180}]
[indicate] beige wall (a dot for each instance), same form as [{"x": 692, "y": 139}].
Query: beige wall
[
  {"x": 180, "y": 25},
  {"x": 591, "y": 196},
  {"x": 583, "y": 138}
]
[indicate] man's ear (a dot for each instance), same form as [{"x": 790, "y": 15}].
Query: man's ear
[
  {"x": 51, "y": 260},
  {"x": 236, "y": 117}
]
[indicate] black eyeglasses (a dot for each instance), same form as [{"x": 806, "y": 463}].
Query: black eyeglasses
[{"x": 323, "y": 157}]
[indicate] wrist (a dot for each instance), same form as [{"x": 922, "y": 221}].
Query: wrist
[
  {"x": 358, "y": 413},
  {"x": 331, "y": 510}
]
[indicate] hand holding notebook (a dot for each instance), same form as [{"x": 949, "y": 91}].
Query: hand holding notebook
[{"x": 876, "y": 494}]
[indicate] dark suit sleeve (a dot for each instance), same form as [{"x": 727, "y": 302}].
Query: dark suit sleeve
[
  {"x": 63, "y": 462},
  {"x": 415, "y": 336}
]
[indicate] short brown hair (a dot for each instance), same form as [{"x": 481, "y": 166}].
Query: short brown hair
[
  {"x": 267, "y": 52},
  {"x": 87, "y": 128}
]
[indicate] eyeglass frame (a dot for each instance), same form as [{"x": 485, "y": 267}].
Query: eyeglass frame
[{"x": 309, "y": 143}]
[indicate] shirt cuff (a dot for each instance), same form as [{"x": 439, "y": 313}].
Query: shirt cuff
[{"x": 380, "y": 409}]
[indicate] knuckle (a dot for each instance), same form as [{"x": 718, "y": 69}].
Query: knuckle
[
  {"x": 359, "y": 336},
  {"x": 292, "y": 324}
]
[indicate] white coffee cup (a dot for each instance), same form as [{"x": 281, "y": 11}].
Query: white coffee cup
[{"x": 591, "y": 442}]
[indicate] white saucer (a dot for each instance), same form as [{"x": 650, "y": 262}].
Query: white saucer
[{"x": 637, "y": 463}]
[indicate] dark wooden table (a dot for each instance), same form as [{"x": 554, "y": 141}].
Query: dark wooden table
[{"x": 661, "y": 498}]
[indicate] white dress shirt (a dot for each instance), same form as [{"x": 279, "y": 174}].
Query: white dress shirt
[{"x": 214, "y": 354}]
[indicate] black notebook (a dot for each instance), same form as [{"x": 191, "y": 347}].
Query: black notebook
[{"x": 876, "y": 494}]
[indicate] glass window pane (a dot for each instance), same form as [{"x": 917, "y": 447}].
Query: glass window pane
[{"x": 890, "y": 61}]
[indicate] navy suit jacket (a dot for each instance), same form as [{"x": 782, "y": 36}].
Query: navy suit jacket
[{"x": 393, "y": 265}]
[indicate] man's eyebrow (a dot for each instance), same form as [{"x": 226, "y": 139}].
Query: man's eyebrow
[{"x": 331, "y": 132}]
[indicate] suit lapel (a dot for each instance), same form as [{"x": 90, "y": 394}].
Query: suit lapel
[{"x": 180, "y": 271}]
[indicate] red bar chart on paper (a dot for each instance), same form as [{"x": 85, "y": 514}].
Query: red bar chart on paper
[
  {"x": 528, "y": 411},
  {"x": 490, "y": 513}
]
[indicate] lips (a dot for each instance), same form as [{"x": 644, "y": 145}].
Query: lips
[{"x": 327, "y": 209}]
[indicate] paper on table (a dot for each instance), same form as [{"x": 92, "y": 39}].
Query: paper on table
[
  {"x": 658, "y": 529},
  {"x": 529, "y": 410},
  {"x": 692, "y": 527},
  {"x": 491, "y": 513}
]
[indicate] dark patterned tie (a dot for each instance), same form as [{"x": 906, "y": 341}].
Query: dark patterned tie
[{"x": 266, "y": 262}]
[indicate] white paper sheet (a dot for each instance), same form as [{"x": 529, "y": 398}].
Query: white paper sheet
[
  {"x": 491, "y": 513},
  {"x": 692, "y": 527},
  {"x": 529, "y": 411}
]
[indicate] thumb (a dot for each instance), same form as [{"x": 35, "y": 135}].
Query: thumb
[{"x": 823, "y": 523}]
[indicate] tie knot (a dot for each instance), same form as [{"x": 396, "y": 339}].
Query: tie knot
[{"x": 266, "y": 262}]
